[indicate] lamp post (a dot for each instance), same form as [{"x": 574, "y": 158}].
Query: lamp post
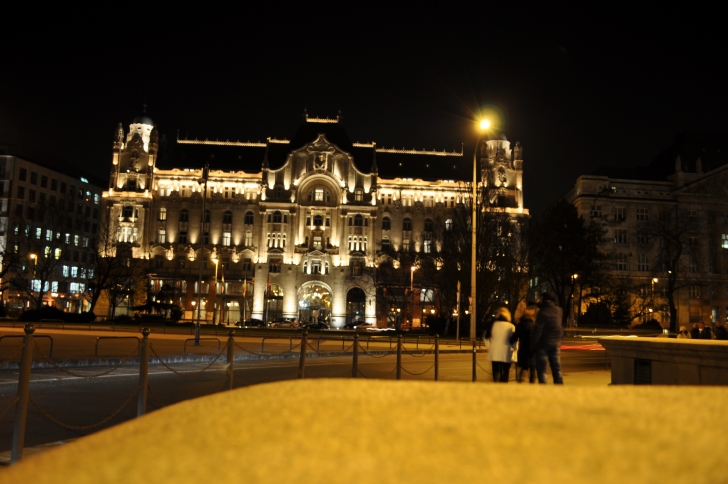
[
  {"x": 574, "y": 311},
  {"x": 215, "y": 261},
  {"x": 412, "y": 292},
  {"x": 484, "y": 125},
  {"x": 652, "y": 292},
  {"x": 202, "y": 181}
]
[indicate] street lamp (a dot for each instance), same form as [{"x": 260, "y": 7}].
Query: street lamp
[
  {"x": 412, "y": 292},
  {"x": 652, "y": 291},
  {"x": 215, "y": 261},
  {"x": 484, "y": 125},
  {"x": 201, "y": 181}
]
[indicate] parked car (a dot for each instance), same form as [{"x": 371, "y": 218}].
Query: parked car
[
  {"x": 251, "y": 323},
  {"x": 316, "y": 325},
  {"x": 283, "y": 323},
  {"x": 358, "y": 324}
]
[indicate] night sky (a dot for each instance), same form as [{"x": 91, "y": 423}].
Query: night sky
[{"x": 578, "y": 88}]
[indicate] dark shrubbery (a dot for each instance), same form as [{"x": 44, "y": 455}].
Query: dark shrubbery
[
  {"x": 50, "y": 312},
  {"x": 652, "y": 324}
]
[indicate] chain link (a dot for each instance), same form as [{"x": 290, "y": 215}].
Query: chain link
[
  {"x": 10, "y": 360},
  {"x": 79, "y": 375},
  {"x": 188, "y": 373},
  {"x": 418, "y": 374},
  {"x": 154, "y": 395},
  {"x": 7, "y": 407},
  {"x": 84, "y": 427},
  {"x": 251, "y": 352},
  {"x": 363, "y": 350},
  {"x": 423, "y": 352}
]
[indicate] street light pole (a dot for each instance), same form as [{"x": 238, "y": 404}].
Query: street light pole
[
  {"x": 412, "y": 293},
  {"x": 205, "y": 173},
  {"x": 484, "y": 125}
]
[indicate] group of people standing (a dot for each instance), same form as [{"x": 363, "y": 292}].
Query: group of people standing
[
  {"x": 532, "y": 343},
  {"x": 701, "y": 331}
]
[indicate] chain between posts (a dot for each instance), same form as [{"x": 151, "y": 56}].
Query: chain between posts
[
  {"x": 79, "y": 375},
  {"x": 84, "y": 427},
  {"x": 155, "y": 397},
  {"x": 418, "y": 374},
  {"x": 10, "y": 360},
  {"x": 390, "y": 352},
  {"x": 187, "y": 373},
  {"x": 8, "y": 406}
]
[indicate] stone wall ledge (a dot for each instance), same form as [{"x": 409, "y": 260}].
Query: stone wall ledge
[{"x": 667, "y": 361}]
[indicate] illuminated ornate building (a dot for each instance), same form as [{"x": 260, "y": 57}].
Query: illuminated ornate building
[{"x": 289, "y": 228}]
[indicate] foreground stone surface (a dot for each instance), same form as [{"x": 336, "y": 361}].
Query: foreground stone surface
[{"x": 390, "y": 431}]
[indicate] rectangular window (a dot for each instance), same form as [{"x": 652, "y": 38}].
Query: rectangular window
[
  {"x": 226, "y": 238},
  {"x": 695, "y": 292},
  {"x": 54, "y": 184},
  {"x": 693, "y": 265},
  {"x": 274, "y": 265},
  {"x": 31, "y": 196},
  {"x": 620, "y": 214},
  {"x": 21, "y": 193},
  {"x": 44, "y": 181},
  {"x": 620, "y": 236},
  {"x": 692, "y": 216},
  {"x": 162, "y": 236},
  {"x": 621, "y": 262},
  {"x": 74, "y": 271},
  {"x": 23, "y": 174},
  {"x": 642, "y": 214},
  {"x": 664, "y": 215},
  {"x": 595, "y": 211},
  {"x": 643, "y": 263}
]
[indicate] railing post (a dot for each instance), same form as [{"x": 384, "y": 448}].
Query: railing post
[
  {"x": 143, "y": 373},
  {"x": 302, "y": 361},
  {"x": 399, "y": 357},
  {"x": 475, "y": 361},
  {"x": 355, "y": 364},
  {"x": 21, "y": 407},
  {"x": 437, "y": 357},
  {"x": 231, "y": 357}
]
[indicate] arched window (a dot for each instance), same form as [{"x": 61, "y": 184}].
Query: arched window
[
  {"x": 407, "y": 224},
  {"x": 386, "y": 224},
  {"x": 318, "y": 220},
  {"x": 227, "y": 217},
  {"x": 127, "y": 211},
  {"x": 184, "y": 215},
  {"x": 249, "y": 218},
  {"x": 428, "y": 225},
  {"x": 358, "y": 220}
]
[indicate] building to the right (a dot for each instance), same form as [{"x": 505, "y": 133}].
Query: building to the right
[{"x": 665, "y": 231}]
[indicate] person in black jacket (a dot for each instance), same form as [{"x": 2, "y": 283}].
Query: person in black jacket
[
  {"x": 546, "y": 338},
  {"x": 526, "y": 360},
  {"x": 705, "y": 332},
  {"x": 720, "y": 331},
  {"x": 695, "y": 332}
]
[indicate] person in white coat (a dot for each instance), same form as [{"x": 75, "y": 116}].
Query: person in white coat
[{"x": 501, "y": 352}]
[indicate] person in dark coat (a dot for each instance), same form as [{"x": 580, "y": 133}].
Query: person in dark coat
[
  {"x": 705, "y": 332},
  {"x": 546, "y": 338},
  {"x": 526, "y": 359},
  {"x": 695, "y": 332},
  {"x": 720, "y": 331}
]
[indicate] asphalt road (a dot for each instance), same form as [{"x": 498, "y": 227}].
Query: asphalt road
[{"x": 83, "y": 403}]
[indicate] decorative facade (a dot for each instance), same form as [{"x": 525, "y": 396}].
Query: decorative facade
[{"x": 287, "y": 228}]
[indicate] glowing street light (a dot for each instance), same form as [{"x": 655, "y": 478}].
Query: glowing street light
[
  {"x": 412, "y": 280},
  {"x": 484, "y": 125}
]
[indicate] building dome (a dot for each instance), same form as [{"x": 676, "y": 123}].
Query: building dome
[{"x": 143, "y": 119}]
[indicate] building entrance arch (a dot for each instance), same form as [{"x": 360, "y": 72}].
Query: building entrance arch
[
  {"x": 314, "y": 302},
  {"x": 356, "y": 300}
]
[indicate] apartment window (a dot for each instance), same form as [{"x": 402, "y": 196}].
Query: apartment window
[
  {"x": 54, "y": 184},
  {"x": 358, "y": 194},
  {"x": 127, "y": 211},
  {"x": 162, "y": 214},
  {"x": 620, "y": 214},
  {"x": 162, "y": 236},
  {"x": 595, "y": 211},
  {"x": 158, "y": 261},
  {"x": 427, "y": 246},
  {"x": 664, "y": 215},
  {"x": 620, "y": 236},
  {"x": 386, "y": 223},
  {"x": 693, "y": 241},
  {"x": 692, "y": 216},
  {"x": 226, "y": 238},
  {"x": 428, "y": 225},
  {"x": 356, "y": 267},
  {"x": 694, "y": 292},
  {"x": 405, "y": 245},
  {"x": 642, "y": 214},
  {"x": 182, "y": 239},
  {"x": 227, "y": 217},
  {"x": 33, "y": 178},
  {"x": 724, "y": 241},
  {"x": 249, "y": 218},
  {"x": 407, "y": 224},
  {"x": 642, "y": 238},
  {"x": 621, "y": 262},
  {"x": 23, "y": 174},
  {"x": 643, "y": 263},
  {"x": 21, "y": 193},
  {"x": 448, "y": 225},
  {"x": 44, "y": 181},
  {"x": 693, "y": 265},
  {"x": 248, "y": 238},
  {"x": 318, "y": 220},
  {"x": 274, "y": 265},
  {"x": 386, "y": 245},
  {"x": 247, "y": 265},
  {"x": 63, "y": 187}
]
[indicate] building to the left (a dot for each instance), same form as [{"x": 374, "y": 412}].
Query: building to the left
[{"x": 49, "y": 218}]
